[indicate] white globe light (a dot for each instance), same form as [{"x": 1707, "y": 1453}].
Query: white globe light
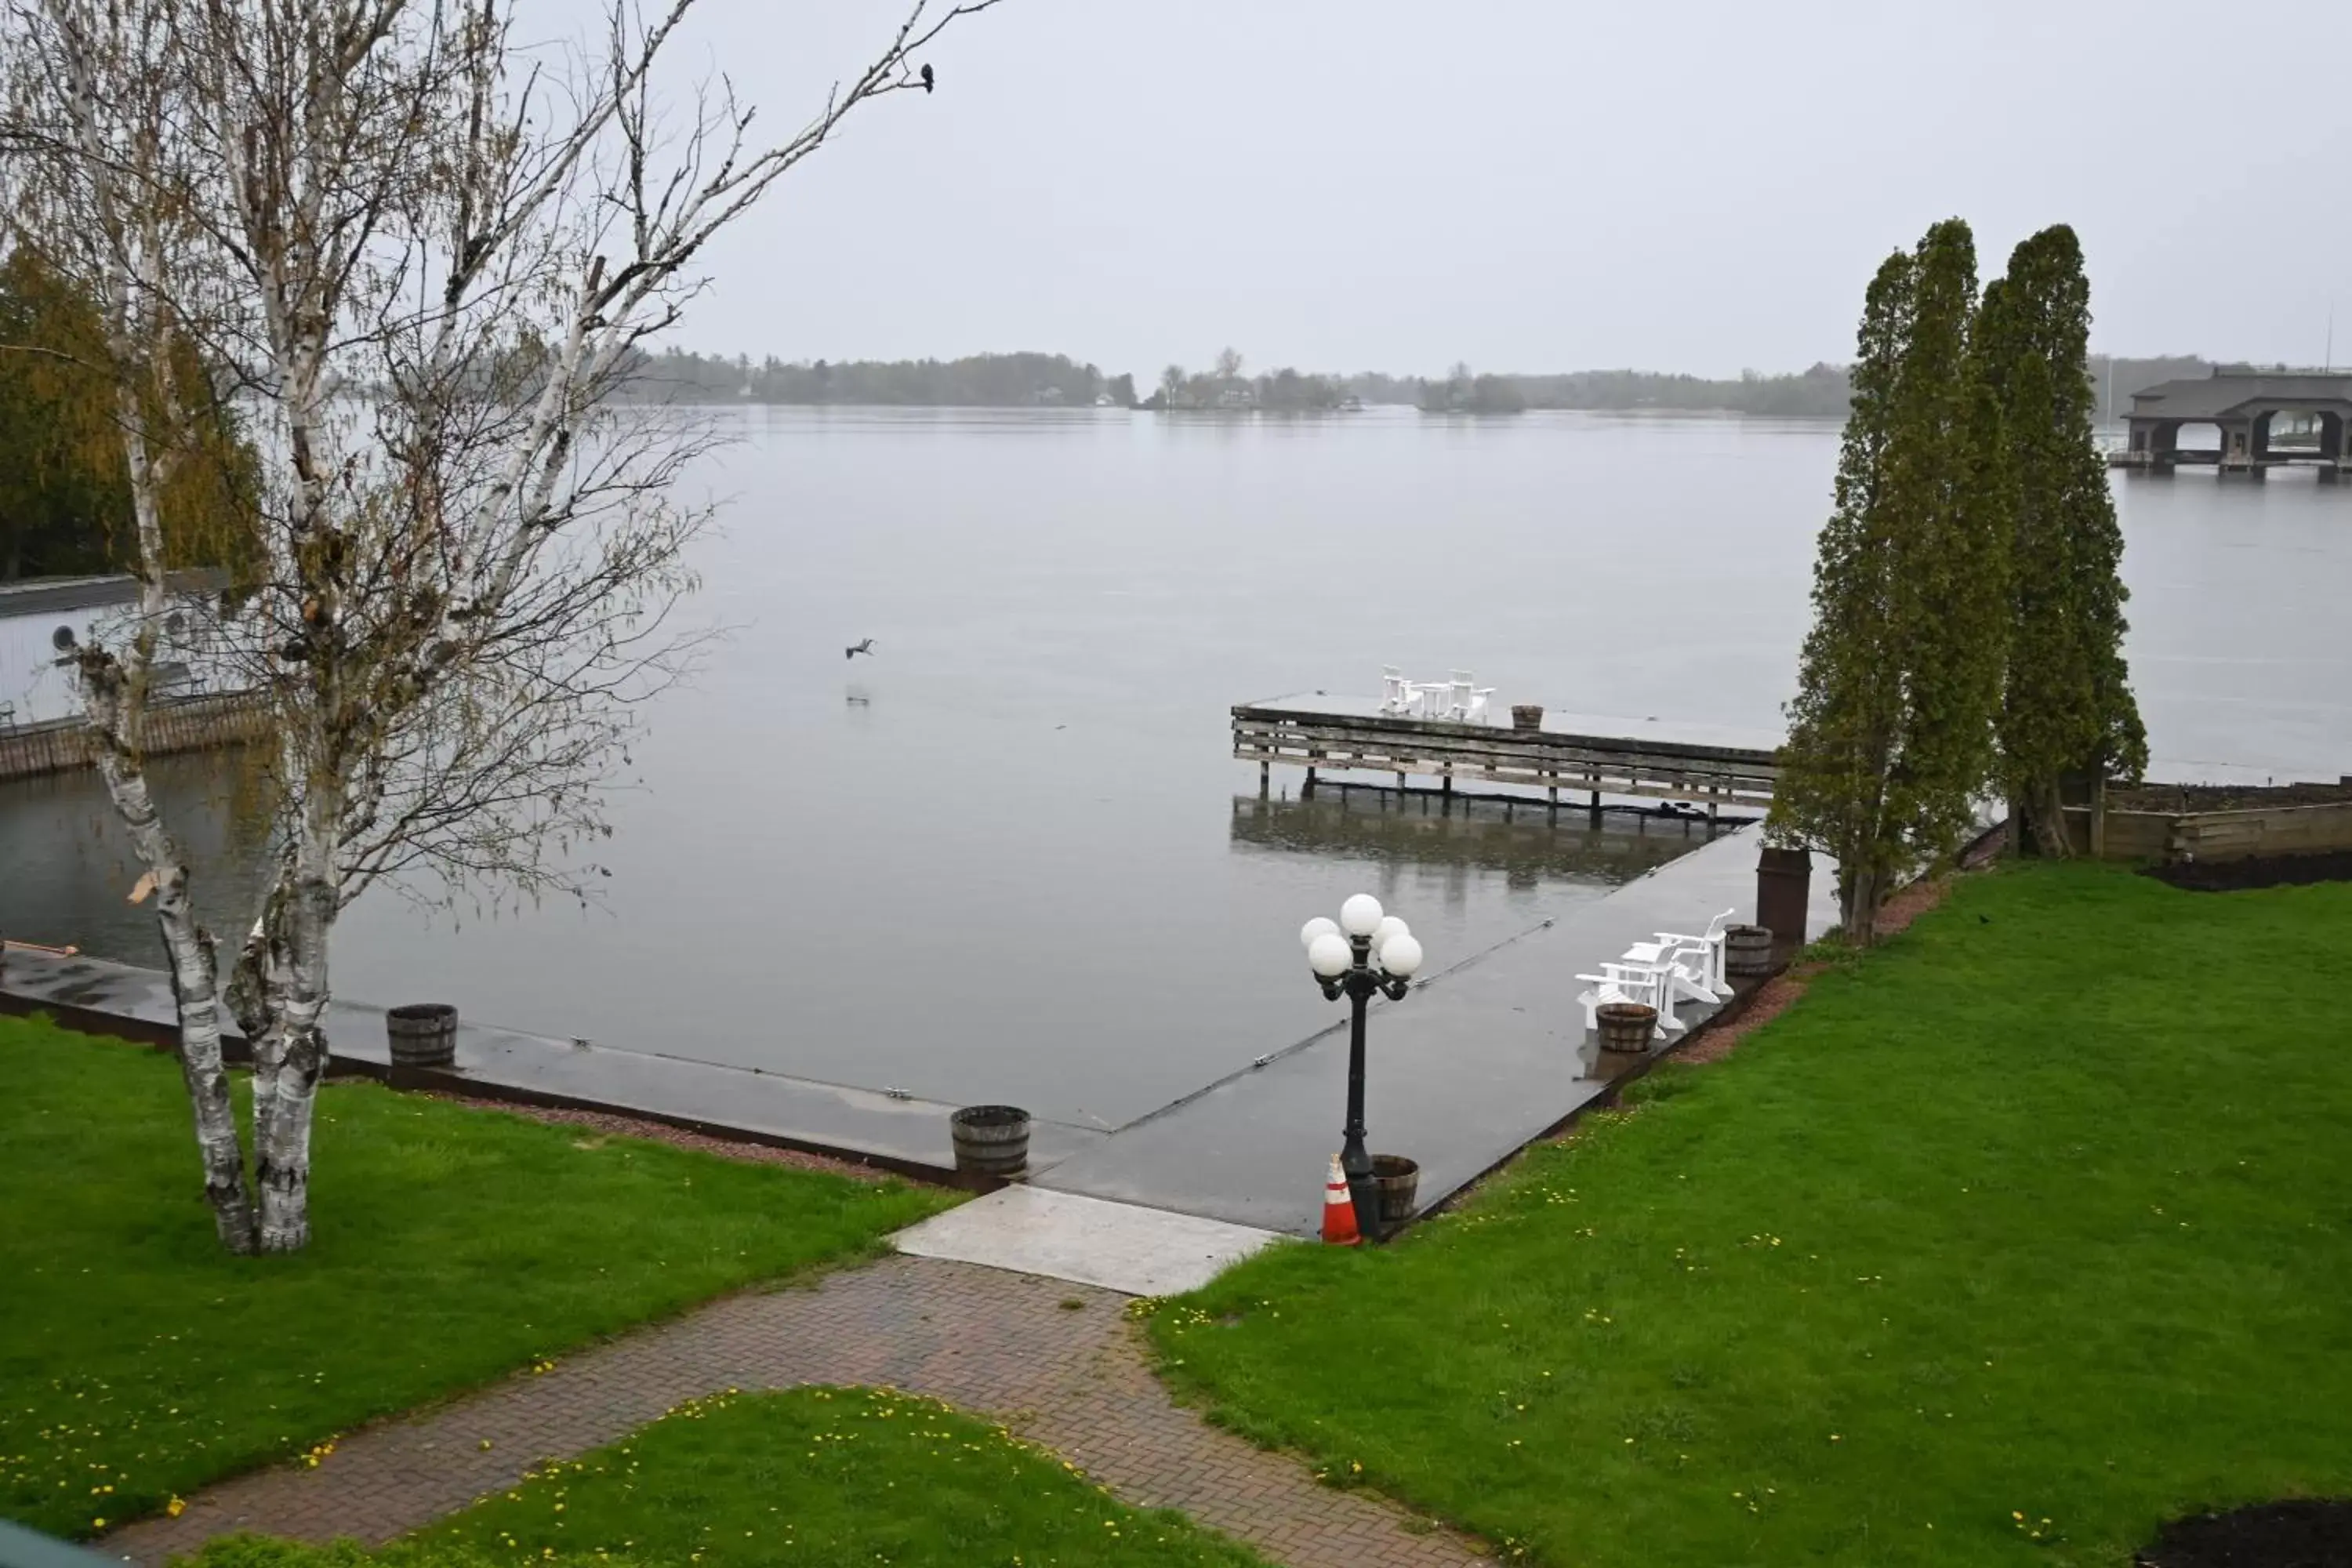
[
  {"x": 1401, "y": 956},
  {"x": 1388, "y": 930},
  {"x": 1321, "y": 925},
  {"x": 1329, "y": 956},
  {"x": 1361, "y": 916}
]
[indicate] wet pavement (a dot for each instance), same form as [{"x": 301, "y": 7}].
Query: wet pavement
[
  {"x": 1486, "y": 1055},
  {"x": 1459, "y": 1075},
  {"x": 881, "y": 1128}
]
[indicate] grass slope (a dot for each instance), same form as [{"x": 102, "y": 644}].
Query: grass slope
[
  {"x": 814, "y": 1475},
  {"x": 2024, "y": 1234},
  {"x": 139, "y": 1360}
]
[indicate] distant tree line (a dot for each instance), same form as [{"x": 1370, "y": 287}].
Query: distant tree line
[
  {"x": 1225, "y": 386},
  {"x": 1462, "y": 391},
  {"x": 1031, "y": 380},
  {"x": 1818, "y": 393},
  {"x": 980, "y": 381}
]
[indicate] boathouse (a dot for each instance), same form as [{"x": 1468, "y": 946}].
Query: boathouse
[{"x": 2250, "y": 410}]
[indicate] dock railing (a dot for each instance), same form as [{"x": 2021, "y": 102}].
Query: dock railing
[{"x": 1550, "y": 761}]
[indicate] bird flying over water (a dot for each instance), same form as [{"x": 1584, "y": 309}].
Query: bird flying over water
[
  {"x": 928, "y": 78},
  {"x": 865, "y": 648}
]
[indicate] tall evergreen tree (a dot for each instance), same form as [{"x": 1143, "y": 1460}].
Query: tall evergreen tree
[
  {"x": 1890, "y": 736},
  {"x": 2067, "y": 704}
]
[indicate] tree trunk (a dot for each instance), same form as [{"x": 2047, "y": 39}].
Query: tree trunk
[
  {"x": 297, "y": 1058},
  {"x": 2050, "y": 835},
  {"x": 1858, "y": 890},
  {"x": 282, "y": 1143},
  {"x": 195, "y": 978}
]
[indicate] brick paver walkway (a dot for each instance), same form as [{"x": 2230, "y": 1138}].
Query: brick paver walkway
[{"x": 993, "y": 1342}]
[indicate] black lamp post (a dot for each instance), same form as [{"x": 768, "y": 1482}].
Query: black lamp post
[{"x": 1364, "y": 952}]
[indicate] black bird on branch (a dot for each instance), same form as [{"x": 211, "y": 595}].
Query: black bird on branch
[
  {"x": 864, "y": 647},
  {"x": 928, "y": 78}
]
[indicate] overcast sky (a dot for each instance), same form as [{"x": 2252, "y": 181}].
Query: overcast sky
[{"x": 1347, "y": 185}]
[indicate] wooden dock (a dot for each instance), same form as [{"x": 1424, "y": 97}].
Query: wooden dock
[{"x": 1324, "y": 733}]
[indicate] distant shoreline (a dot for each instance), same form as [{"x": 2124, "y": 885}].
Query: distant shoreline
[
  {"x": 1239, "y": 413},
  {"x": 1030, "y": 380}
]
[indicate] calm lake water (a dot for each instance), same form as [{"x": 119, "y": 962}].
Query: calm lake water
[{"x": 1024, "y": 866}]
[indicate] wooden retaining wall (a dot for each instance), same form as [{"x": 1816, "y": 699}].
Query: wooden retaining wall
[
  {"x": 2193, "y": 835},
  {"x": 2271, "y": 830},
  {"x": 183, "y": 725},
  {"x": 1538, "y": 758}
]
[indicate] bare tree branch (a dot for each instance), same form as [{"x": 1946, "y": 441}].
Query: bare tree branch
[{"x": 426, "y": 259}]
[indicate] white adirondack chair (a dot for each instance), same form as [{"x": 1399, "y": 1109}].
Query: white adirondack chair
[
  {"x": 1707, "y": 949},
  {"x": 1648, "y": 983},
  {"x": 1592, "y": 997},
  {"x": 1685, "y": 971},
  {"x": 1426, "y": 699},
  {"x": 1464, "y": 703},
  {"x": 1393, "y": 695}
]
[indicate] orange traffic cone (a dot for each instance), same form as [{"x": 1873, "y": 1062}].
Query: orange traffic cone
[{"x": 1339, "y": 1209}]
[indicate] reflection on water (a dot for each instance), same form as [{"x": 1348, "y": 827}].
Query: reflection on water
[
  {"x": 1458, "y": 837},
  {"x": 69, "y": 865}
]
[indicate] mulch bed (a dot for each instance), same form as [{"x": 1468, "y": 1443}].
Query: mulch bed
[
  {"x": 609, "y": 1125},
  {"x": 2309, "y": 1533},
  {"x": 2257, "y": 872}
]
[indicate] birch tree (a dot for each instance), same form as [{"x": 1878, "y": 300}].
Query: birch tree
[
  {"x": 95, "y": 162},
  {"x": 432, "y": 256}
]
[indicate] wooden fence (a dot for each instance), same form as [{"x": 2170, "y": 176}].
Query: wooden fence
[
  {"x": 2305, "y": 828},
  {"x": 183, "y": 725}
]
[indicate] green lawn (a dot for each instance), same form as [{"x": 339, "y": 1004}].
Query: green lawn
[
  {"x": 816, "y": 1476},
  {"x": 137, "y": 1361},
  {"x": 2009, "y": 1242}
]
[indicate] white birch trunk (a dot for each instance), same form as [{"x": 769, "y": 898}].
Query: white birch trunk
[
  {"x": 114, "y": 697},
  {"x": 297, "y": 1043}
]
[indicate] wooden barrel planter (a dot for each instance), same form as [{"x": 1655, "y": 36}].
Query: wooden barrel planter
[
  {"x": 421, "y": 1034},
  {"x": 1527, "y": 715},
  {"x": 1396, "y": 1179},
  {"x": 991, "y": 1141},
  {"x": 1625, "y": 1031},
  {"x": 1747, "y": 952}
]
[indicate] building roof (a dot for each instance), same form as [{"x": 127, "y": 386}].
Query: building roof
[
  {"x": 2232, "y": 391},
  {"x": 51, "y": 595}
]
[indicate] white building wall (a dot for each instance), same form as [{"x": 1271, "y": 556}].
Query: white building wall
[
  {"x": 41, "y": 690},
  {"x": 30, "y": 677}
]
